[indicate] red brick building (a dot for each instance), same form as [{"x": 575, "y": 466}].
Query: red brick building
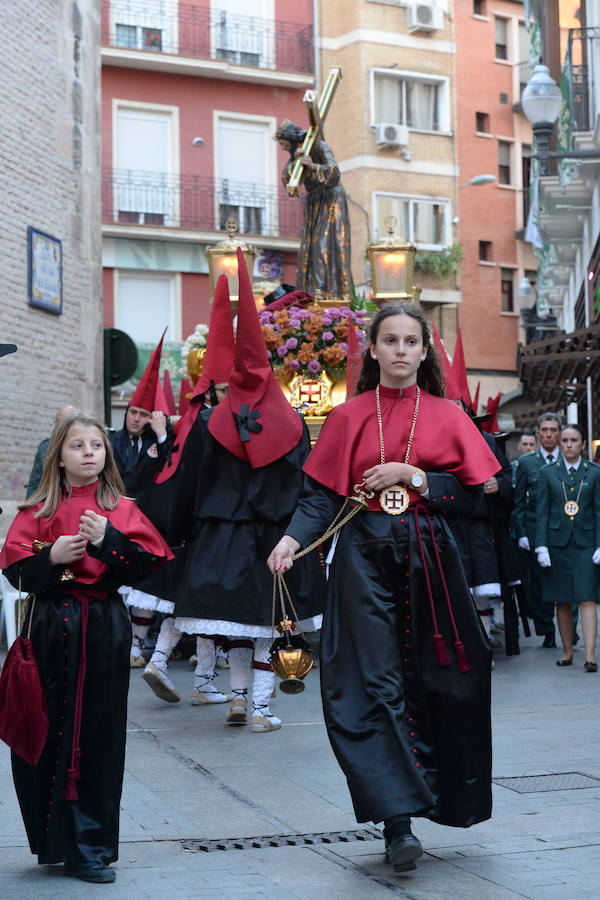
[
  {"x": 492, "y": 67},
  {"x": 191, "y": 95}
]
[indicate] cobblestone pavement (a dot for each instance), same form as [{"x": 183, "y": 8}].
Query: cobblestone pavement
[{"x": 190, "y": 780}]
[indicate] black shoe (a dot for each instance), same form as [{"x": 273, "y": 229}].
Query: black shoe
[
  {"x": 564, "y": 661},
  {"x": 590, "y": 666},
  {"x": 549, "y": 642},
  {"x": 401, "y": 852},
  {"x": 90, "y": 871}
]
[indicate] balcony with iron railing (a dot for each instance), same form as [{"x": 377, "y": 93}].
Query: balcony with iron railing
[
  {"x": 163, "y": 27},
  {"x": 584, "y": 52},
  {"x": 198, "y": 203}
]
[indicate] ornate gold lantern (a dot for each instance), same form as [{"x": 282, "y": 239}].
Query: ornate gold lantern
[
  {"x": 222, "y": 260},
  {"x": 290, "y": 658},
  {"x": 392, "y": 268}
]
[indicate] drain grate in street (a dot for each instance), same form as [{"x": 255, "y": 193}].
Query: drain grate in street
[
  {"x": 284, "y": 840},
  {"x": 561, "y": 781}
]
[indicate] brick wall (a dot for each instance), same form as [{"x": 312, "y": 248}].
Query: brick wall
[{"x": 49, "y": 178}]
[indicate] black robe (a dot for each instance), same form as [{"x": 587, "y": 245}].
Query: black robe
[
  {"x": 412, "y": 737},
  {"x": 87, "y": 829},
  {"x": 231, "y": 516}
]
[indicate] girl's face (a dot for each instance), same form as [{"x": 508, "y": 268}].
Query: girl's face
[
  {"x": 571, "y": 444},
  {"x": 399, "y": 350},
  {"x": 83, "y": 454}
]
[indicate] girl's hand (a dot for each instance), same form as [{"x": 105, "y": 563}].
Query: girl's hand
[
  {"x": 158, "y": 423},
  {"x": 377, "y": 478},
  {"x": 280, "y": 557},
  {"x": 67, "y": 549},
  {"x": 93, "y": 527}
]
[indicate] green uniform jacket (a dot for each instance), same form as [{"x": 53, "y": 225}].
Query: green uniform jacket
[
  {"x": 554, "y": 527},
  {"x": 525, "y": 500}
]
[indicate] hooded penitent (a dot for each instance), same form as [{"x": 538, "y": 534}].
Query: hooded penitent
[
  {"x": 145, "y": 393},
  {"x": 255, "y": 422},
  {"x": 218, "y": 360}
]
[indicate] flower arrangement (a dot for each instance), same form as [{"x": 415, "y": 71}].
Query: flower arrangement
[
  {"x": 304, "y": 341},
  {"x": 195, "y": 341}
]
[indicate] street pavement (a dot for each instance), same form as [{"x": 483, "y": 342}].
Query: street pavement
[{"x": 190, "y": 779}]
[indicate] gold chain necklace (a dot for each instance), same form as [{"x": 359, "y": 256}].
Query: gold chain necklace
[
  {"x": 571, "y": 507},
  {"x": 395, "y": 498}
]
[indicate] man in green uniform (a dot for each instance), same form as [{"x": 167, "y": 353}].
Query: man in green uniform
[{"x": 524, "y": 519}]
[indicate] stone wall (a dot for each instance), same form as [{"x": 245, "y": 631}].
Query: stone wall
[{"x": 49, "y": 179}]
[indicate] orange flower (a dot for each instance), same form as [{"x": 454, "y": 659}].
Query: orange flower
[
  {"x": 342, "y": 331},
  {"x": 272, "y": 340},
  {"x": 306, "y": 353}
]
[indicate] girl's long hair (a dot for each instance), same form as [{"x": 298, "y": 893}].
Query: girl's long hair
[
  {"x": 54, "y": 485},
  {"x": 429, "y": 374}
]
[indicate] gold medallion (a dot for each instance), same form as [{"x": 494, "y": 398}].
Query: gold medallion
[
  {"x": 571, "y": 508},
  {"x": 394, "y": 500}
]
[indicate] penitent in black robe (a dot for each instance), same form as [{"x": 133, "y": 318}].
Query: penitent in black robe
[
  {"x": 231, "y": 516},
  {"x": 410, "y": 730},
  {"x": 85, "y": 829}
]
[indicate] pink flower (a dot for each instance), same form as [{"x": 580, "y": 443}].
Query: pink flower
[
  {"x": 294, "y": 364},
  {"x": 327, "y": 335},
  {"x": 269, "y": 354},
  {"x": 343, "y": 346},
  {"x": 346, "y": 311},
  {"x": 281, "y": 351},
  {"x": 295, "y": 323},
  {"x": 314, "y": 366},
  {"x": 291, "y": 343},
  {"x": 293, "y": 309},
  {"x": 333, "y": 311},
  {"x": 327, "y": 320},
  {"x": 360, "y": 334}
]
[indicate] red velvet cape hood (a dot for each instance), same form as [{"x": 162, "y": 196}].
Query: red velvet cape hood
[
  {"x": 445, "y": 440},
  {"x": 127, "y": 518}
]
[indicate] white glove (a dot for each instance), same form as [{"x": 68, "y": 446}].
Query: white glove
[
  {"x": 543, "y": 557},
  {"x": 596, "y": 556},
  {"x": 524, "y": 543}
]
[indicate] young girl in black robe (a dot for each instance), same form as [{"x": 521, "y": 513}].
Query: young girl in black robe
[
  {"x": 75, "y": 540},
  {"x": 405, "y": 666}
]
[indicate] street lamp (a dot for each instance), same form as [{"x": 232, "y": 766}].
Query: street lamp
[
  {"x": 222, "y": 260},
  {"x": 392, "y": 262},
  {"x": 478, "y": 180},
  {"x": 541, "y": 101}
]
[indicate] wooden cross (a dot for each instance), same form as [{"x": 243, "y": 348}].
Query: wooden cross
[{"x": 317, "y": 109}]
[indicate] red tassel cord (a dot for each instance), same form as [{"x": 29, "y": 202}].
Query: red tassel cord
[
  {"x": 441, "y": 654},
  {"x": 73, "y": 772}
]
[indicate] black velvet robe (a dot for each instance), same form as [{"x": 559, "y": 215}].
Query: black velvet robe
[
  {"x": 412, "y": 737},
  {"x": 86, "y": 829},
  {"x": 231, "y": 516}
]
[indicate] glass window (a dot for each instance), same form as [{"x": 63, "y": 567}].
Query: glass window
[
  {"x": 479, "y": 7},
  {"x": 482, "y": 122},
  {"x": 425, "y": 222},
  {"x": 485, "y": 251},
  {"x": 244, "y": 176},
  {"x": 145, "y": 304},
  {"x": 501, "y": 37},
  {"x": 407, "y": 101},
  {"x": 504, "y": 173},
  {"x": 506, "y": 280},
  {"x": 126, "y": 36}
]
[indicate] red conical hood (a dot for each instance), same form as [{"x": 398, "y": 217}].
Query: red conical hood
[
  {"x": 185, "y": 389},
  {"x": 145, "y": 392},
  {"x": 452, "y": 391},
  {"x": 353, "y": 360},
  {"x": 254, "y": 422},
  {"x": 160, "y": 399},
  {"x": 220, "y": 345},
  {"x": 460, "y": 372},
  {"x": 492, "y": 408},
  {"x": 169, "y": 395}
]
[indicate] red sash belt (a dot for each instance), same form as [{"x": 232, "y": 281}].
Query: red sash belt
[
  {"x": 441, "y": 653},
  {"x": 84, "y": 596}
]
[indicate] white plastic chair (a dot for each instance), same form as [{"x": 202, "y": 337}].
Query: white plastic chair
[{"x": 8, "y": 613}]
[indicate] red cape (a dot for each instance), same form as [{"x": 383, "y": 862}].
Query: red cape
[
  {"x": 126, "y": 517},
  {"x": 445, "y": 440}
]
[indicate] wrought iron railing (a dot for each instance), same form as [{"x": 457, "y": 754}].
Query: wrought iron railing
[
  {"x": 183, "y": 29},
  {"x": 584, "y": 50},
  {"x": 197, "y": 202},
  {"x": 524, "y": 72}
]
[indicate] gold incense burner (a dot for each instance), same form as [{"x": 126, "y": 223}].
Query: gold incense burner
[{"x": 291, "y": 658}]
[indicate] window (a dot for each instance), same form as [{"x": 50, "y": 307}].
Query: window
[
  {"x": 144, "y": 304},
  {"x": 407, "y": 99},
  {"x": 152, "y": 26},
  {"x": 482, "y": 122},
  {"x": 139, "y": 38},
  {"x": 420, "y": 219},
  {"x": 479, "y": 7},
  {"x": 485, "y": 251},
  {"x": 242, "y": 34},
  {"x": 144, "y": 189},
  {"x": 501, "y": 37},
  {"x": 503, "y": 98},
  {"x": 245, "y": 171},
  {"x": 526, "y": 170},
  {"x": 504, "y": 149},
  {"x": 506, "y": 280}
]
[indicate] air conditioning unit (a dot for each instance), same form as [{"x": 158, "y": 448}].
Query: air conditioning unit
[
  {"x": 388, "y": 134},
  {"x": 424, "y": 17}
]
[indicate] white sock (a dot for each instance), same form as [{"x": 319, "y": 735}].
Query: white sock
[
  {"x": 240, "y": 660},
  {"x": 168, "y": 638},
  {"x": 264, "y": 679},
  {"x": 139, "y": 632}
]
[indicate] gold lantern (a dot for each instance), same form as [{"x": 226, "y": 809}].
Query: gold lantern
[
  {"x": 222, "y": 260},
  {"x": 392, "y": 263},
  {"x": 291, "y": 658}
]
